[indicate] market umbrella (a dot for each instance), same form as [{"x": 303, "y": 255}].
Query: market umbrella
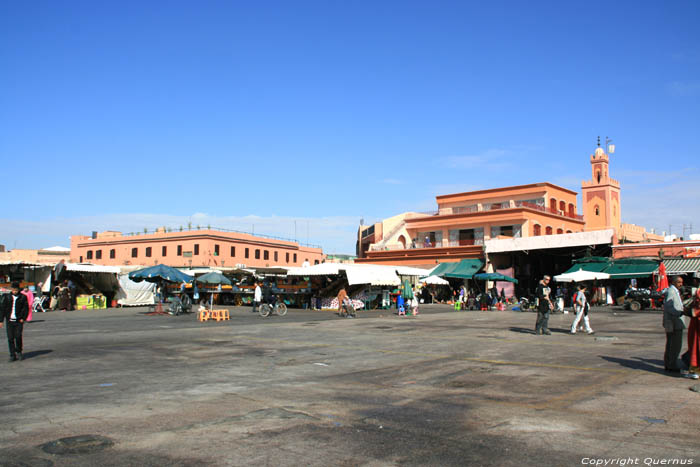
[
  {"x": 494, "y": 276},
  {"x": 159, "y": 273},
  {"x": 434, "y": 280},
  {"x": 663, "y": 278},
  {"x": 213, "y": 278},
  {"x": 581, "y": 276},
  {"x": 407, "y": 290}
]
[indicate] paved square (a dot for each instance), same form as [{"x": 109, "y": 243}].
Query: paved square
[{"x": 445, "y": 388}]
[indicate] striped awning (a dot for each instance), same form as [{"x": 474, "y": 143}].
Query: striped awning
[{"x": 682, "y": 266}]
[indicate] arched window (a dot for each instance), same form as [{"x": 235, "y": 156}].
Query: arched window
[
  {"x": 568, "y": 231},
  {"x": 553, "y": 205},
  {"x": 562, "y": 206},
  {"x": 597, "y": 210},
  {"x": 548, "y": 230},
  {"x": 572, "y": 210},
  {"x": 598, "y": 176},
  {"x": 536, "y": 230},
  {"x": 560, "y": 231},
  {"x": 402, "y": 241}
]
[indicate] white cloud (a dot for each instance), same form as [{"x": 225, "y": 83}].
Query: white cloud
[
  {"x": 491, "y": 159},
  {"x": 335, "y": 234}
]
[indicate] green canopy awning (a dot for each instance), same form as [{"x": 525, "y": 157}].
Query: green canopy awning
[
  {"x": 443, "y": 268},
  {"x": 465, "y": 269},
  {"x": 632, "y": 268},
  {"x": 589, "y": 266},
  {"x": 495, "y": 276}
]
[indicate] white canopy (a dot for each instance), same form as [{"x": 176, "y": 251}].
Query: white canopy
[
  {"x": 434, "y": 280},
  {"x": 581, "y": 276},
  {"x": 323, "y": 269},
  {"x": 82, "y": 267},
  {"x": 371, "y": 274},
  {"x": 409, "y": 271}
]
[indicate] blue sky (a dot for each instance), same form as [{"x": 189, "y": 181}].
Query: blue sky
[{"x": 125, "y": 115}]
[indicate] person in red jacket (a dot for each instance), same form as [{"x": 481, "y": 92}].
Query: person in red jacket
[{"x": 13, "y": 312}]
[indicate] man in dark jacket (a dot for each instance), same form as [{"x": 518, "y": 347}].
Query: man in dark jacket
[
  {"x": 14, "y": 312},
  {"x": 544, "y": 306}
]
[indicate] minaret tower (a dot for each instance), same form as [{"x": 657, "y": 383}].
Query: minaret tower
[{"x": 601, "y": 195}]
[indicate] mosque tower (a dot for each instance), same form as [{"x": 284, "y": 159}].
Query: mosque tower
[{"x": 601, "y": 196}]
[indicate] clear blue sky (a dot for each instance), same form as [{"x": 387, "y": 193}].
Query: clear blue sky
[{"x": 136, "y": 114}]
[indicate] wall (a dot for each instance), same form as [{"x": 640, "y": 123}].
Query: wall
[{"x": 207, "y": 241}]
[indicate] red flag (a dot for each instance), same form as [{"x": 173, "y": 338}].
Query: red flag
[{"x": 663, "y": 279}]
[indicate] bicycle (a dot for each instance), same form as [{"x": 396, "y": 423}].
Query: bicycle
[
  {"x": 278, "y": 308},
  {"x": 347, "y": 311}
]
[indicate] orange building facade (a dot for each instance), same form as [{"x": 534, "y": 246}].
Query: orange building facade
[
  {"x": 191, "y": 248},
  {"x": 463, "y": 221}
]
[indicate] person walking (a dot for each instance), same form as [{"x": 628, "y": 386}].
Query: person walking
[
  {"x": 544, "y": 306},
  {"x": 13, "y": 312},
  {"x": 581, "y": 307},
  {"x": 673, "y": 325},
  {"x": 342, "y": 295},
  {"x": 30, "y": 302},
  {"x": 694, "y": 338},
  {"x": 257, "y": 297}
]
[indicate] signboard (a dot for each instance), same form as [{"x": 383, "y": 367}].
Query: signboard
[{"x": 187, "y": 254}]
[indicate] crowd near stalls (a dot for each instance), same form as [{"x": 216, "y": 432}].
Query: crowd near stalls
[
  {"x": 368, "y": 286},
  {"x": 83, "y": 286}
]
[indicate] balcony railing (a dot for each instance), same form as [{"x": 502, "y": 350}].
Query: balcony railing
[
  {"x": 500, "y": 206},
  {"x": 442, "y": 244},
  {"x": 549, "y": 210}
]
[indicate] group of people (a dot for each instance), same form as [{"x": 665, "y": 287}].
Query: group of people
[
  {"x": 545, "y": 306},
  {"x": 680, "y": 314}
]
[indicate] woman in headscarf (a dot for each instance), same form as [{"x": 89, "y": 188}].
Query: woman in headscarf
[
  {"x": 694, "y": 337},
  {"x": 64, "y": 298}
]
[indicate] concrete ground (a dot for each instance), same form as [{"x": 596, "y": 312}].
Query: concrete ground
[{"x": 310, "y": 388}]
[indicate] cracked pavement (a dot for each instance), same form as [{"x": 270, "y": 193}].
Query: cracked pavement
[{"x": 444, "y": 388}]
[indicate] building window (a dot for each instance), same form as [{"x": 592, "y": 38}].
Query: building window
[
  {"x": 266, "y": 255},
  {"x": 164, "y": 251},
  {"x": 89, "y": 254},
  {"x": 179, "y": 250},
  {"x": 315, "y": 261},
  {"x": 98, "y": 254},
  {"x": 572, "y": 210},
  {"x": 569, "y": 231},
  {"x": 597, "y": 211},
  {"x": 286, "y": 257},
  {"x": 257, "y": 253},
  {"x": 552, "y": 204},
  {"x": 81, "y": 259},
  {"x": 505, "y": 231},
  {"x": 233, "y": 251},
  {"x": 247, "y": 253},
  {"x": 196, "y": 248},
  {"x": 216, "y": 250},
  {"x": 275, "y": 256},
  {"x": 548, "y": 230},
  {"x": 560, "y": 231},
  {"x": 134, "y": 252},
  {"x": 112, "y": 254},
  {"x": 295, "y": 257},
  {"x": 148, "y": 251},
  {"x": 536, "y": 230}
]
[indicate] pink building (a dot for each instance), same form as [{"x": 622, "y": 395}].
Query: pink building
[{"x": 190, "y": 248}]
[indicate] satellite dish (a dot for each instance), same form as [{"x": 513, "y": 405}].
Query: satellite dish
[{"x": 611, "y": 149}]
